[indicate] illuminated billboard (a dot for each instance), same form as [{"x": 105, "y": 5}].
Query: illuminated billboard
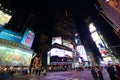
[
  {"x": 111, "y": 9},
  {"x": 4, "y": 19},
  {"x": 98, "y": 41},
  {"x": 57, "y": 40},
  {"x": 10, "y": 35},
  {"x": 61, "y": 52},
  {"x": 14, "y": 57},
  {"x": 67, "y": 44},
  {"x": 28, "y": 38},
  {"x": 82, "y": 52}
]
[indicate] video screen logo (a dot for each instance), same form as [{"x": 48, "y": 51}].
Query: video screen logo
[{"x": 29, "y": 36}]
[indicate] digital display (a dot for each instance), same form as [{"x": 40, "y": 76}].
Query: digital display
[
  {"x": 4, "y": 19},
  {"x": 57, "y": 52},
  {"x": 10, "y": 35},
  {"x": 14, "y": 57},
  {"x": 96, "y": 38},
  {"x": 61, "y": 53},
  {"x": 28, "y": 38},
  {"x": 111, "y": 9},
  {"x": 67, "y": 44},
  {"x": 57, "y": 40},
  {"x": 82, "y": 52}
]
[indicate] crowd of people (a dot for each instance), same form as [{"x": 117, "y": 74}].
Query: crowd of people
[
  {"x": 9, "y": 72},
  {"x": 113, "y": 71},
  {"x": 96, "y": 71}
]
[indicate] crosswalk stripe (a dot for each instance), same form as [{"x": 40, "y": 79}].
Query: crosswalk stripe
[{"x": 73, "y": 79}]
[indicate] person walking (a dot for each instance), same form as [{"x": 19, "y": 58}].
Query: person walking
[
  {"x": 117, "y": 71},
  {"x": 39, "y": 68},
  {"x": 99, "y": 71},
  {"x": 111, "y": 72},
  {"x": 94, "y": 73}
]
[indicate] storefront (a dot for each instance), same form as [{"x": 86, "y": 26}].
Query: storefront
[{"x": 14, "y": 54}]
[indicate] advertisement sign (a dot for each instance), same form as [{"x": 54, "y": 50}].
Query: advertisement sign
[
  {"x": 111, "y": 9},
  {"x": 10, "y": 35},
  {"x": 61, "y": 53},
  {"x": 57, "y": 52},
  {"x": 4, "y": 19},
  {"x": 67, "y": 44},
  {"x": 14, "y": 57},
  {"x": 28, "y": 38},
  {"x": 57, "y": 40},
  {"x": 82, "y": 52}
]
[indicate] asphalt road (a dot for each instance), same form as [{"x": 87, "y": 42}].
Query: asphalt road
[
  {"x": 67, "y": 75},
  {"x": 74, "y": 75}
]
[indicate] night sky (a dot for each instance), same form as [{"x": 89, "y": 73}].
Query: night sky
[{"x": 41, "y": 14}]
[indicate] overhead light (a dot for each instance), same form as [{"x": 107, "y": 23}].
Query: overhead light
[
  {"x": 6, "y": 9},
  {"x": 10, "y": 11},
  {"x": 76, "y": 34}
]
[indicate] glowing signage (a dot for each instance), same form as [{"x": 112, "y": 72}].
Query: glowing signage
[
  {"x": 57, "y": 52},
  {"x": 14, "y": 57},
  {"x": 57, "y": 40},
  {"x": 28, "y": 38},
  {"x": 82, "y": 52},
  {"x": 61, "y": 53},
  {"x": 67, "y": 44},
  {"x": 4, "y": 19},
  {"x": 111, "y": 9},
  {"x": 96, "y": 38},
  {"x": 10, "y": 35}
]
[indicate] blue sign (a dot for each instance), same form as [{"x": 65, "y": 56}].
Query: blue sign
[
  {"x": 10, "y": 35},
  {"x": 2, "y": 26},
  {"x": 28, "y": 38}
]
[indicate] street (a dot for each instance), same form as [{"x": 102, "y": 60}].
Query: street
[
  {"x": 67, "y": 75},
  {"x": 74, "y": 75}
]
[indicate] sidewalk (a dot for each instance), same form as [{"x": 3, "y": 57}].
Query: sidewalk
[{"x": 28, "y": 77}]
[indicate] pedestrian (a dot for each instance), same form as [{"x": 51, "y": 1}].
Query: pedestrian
[
  {"x": 44, "y": 72},
  {"x": 111, "y": 71},
  {"x": 11, "y": 71},
  {"x": 36, "y": 69},
  {"x": 99, "y": 72},
  {"x": 94, "y": 73},
  {"x": 117, "y": 71},
  {"x": 39, "y": 68}
]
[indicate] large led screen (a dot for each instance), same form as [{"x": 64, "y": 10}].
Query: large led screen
[
  {"x": 61, "y": 52},
  {"x": 67, "y": 44},
  {"x": 10, "y": 35},
  {"x": 96, "y": 38},
  {"x": 82, "y": 52},
  {"x": 28, "y": 38},
  {"x": 57, "y": 40},
  {"x": 14, "y": 57},
  {"x": 4, "y": 19},
  {"x": 57, "y": 52},
  {"x": 111, "y": 9}
]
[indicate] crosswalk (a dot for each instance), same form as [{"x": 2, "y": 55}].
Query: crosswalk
[{"x": 73, "y": 79}]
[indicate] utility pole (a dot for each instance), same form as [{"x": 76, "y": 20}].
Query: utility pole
[{"x": 26, "y": 23}]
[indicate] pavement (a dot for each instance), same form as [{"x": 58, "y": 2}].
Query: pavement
[
  {"x": 62, "y": 75},
  {"x": 74, "y": 75}
]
